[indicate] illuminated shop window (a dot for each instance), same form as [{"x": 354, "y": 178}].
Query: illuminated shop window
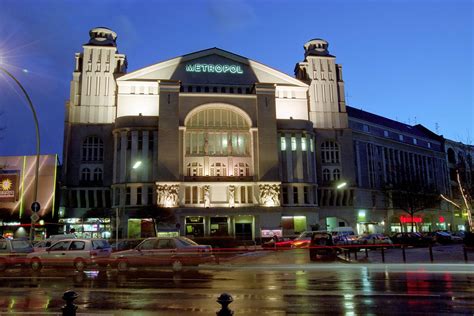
[
  {"x": 283, "y": 143},
  {"x": 293, "y": 143}
]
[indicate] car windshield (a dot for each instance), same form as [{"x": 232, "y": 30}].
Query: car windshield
[
  {"x": 20, "y": 244},
  {"x": 186, "y": 241},
  {"x": 100, "y": 244}
]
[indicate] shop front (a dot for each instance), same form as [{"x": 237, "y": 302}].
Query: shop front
[
  {"x": 423, "y": 222},
  {"x": 240, "y": 227},
  {"x": 88, "y": 227}
]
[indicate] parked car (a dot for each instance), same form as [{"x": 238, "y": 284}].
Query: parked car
[
  {"x": 279, "y": 243},
  {"x": 13, "y": 252},
  {"x": 45, "y": 244},
  {"x": 303, "y": 240},
  {"x": 126, "y": 244},
  {"x": 163, "y": 251},
  {"x": 321, "y": 247},
  {"x": 412, "y": 239},
  {"x": 78, "y": 253},
  {"x": 374, "y": 239}
]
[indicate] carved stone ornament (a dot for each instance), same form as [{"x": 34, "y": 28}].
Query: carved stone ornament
[
  {"x": 207, "y": 196},
  {"x": 269, "y": 194},
  {"x": 167, "y": 195},
  {"x": 231, "y": 196}
]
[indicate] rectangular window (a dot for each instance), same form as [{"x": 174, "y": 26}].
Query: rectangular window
[
  {"x": 283, "y": 143},
  {"x": 127, "y": 196},
  {"x": 303, "y": 143},
  {"x": 400, "y": 138},
  {"x": 150, "y": 195},
  {"x": 139, "y": 196},
  {"x": 306, "y": 195},
  {"x": 249, "y": 195},
  {"x": 293, "y": 143},
  {"x": 311, "y": 144},
  {"x": 365, "y": 128},
  {"x": 284, "y": 192},
  {"x": 429, "y": 145},
  {"x": 385, "y": 133},
  {"x": 187, "y": 195},
  {"x": 415, "y": 141},
  {"x": 295, "y": 195}
]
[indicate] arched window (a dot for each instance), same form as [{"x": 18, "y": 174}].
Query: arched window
[
  {"x": 451, "y": 156},
  {"x": 218, "y": 170},
  {"x": 92, "y": 149},
  {"x": 461, "y": 159},
  {"x": 97, "y": 174},
  {"x": 241, "y": 169},
  {"x": 326, "y": 175},
  {"x": 336, "y": 174},
  {"x": 330, "y": 152},
  {"x": 86, "y": 174},
  {"x": 194, "y": 169}
]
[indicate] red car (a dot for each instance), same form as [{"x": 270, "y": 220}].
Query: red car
[{"x": 279, "y": 243}]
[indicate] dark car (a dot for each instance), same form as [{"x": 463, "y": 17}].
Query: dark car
[
  {"x": 163, "y": 251},
  {"x": 412, "y": 239},
  {"x": 13, "y": 252},
  {"x": 321, "y": 247}
]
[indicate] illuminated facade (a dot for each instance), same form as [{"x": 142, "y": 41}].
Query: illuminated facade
[
  {"x": 215, "y": 144},
  {"x": 17, "y": 177}
]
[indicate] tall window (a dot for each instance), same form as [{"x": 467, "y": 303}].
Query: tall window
[
  {"x": 283, "y": 143},
  {"x": 97, "y": 174},
  {"x": 139, "y": 196},
  {"x": 92, "y": 149},
  {"x": 326, "y": 175},
  {"x": 86, "y": 174},
  {"x": 330, "y": 152},
  {"x": 336, "y": 174}
]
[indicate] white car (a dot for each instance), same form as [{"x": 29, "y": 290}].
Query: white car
[{"x": 77, "y": 253}]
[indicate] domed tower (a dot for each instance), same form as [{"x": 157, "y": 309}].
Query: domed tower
[{"x": 327, "y": 107}]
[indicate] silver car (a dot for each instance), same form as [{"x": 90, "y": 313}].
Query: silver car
[
  {"x": 77, "y": 253},
  {"x": 163, "y": 251}
]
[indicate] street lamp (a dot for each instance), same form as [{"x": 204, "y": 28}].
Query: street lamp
[
  {"x": 35, "y": 194},
  {"x": 341, "y": 185}
]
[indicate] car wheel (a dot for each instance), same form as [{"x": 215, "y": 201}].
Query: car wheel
[
  {"x": 80, "y": 265},
  {"x": 177, "y": 266},
  {"x": 36, "y": 264},
  {"x": 122, "y": 265},
  {"x": 3, "y": 265}
]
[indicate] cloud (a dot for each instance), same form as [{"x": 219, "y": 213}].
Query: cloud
[{"x": 232, "y": 15}]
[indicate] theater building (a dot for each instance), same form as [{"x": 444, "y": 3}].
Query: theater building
[{"x": 215, "y": 144}]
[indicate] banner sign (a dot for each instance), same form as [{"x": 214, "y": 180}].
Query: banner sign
[{"x": 8, "y": 187}]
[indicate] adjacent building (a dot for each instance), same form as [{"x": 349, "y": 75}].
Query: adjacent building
[{"x": 213, "y": 144}]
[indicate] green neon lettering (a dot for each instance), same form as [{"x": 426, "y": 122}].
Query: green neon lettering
[{"x": 189, "y": 68}]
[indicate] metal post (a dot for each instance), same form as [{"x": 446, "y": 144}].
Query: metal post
[
  {"x": 404, "y": 254},
  {"x": 69, "y": 309},
  {"x": 355, "y": 253},
  {"x": 383, "y": 255},
  {"x": 366, "y": 252},
  {"x": 225, "y": 299},
  {"x": 35, "y": 195},
  {"x": 465, "y": 253},
  {"x": 431, "y": 253}
]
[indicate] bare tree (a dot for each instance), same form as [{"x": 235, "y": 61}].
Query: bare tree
[{"x": 411, "y": 196}]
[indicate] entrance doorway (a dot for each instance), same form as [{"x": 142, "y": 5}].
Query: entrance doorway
[{"x": 243, "y": 231}]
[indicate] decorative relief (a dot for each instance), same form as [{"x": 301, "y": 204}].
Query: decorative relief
[
  {"x": 269, "y": 194},
  {"x": 167, "y": 195},
  {"x": 207, "y": 196},
  {"x": 231, "y": 196}
]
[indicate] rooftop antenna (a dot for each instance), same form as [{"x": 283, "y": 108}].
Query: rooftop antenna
[{"x": 437, "y": 128}]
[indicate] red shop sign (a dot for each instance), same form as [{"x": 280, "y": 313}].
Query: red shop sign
[{"x": 408, "y": 219}]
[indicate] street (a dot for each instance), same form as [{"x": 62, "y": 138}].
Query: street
[{"x": 270, "y": 283}]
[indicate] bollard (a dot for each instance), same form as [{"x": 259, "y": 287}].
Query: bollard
[
  {"x": 383, "y": 255},
  {"x": 225, "y": 299},
  {"x": 349, "y": 254},
  {"x": 355, "y": 253},
  {"x": 366, "y": 252},
  {"x": 431, "y": 253},
  {"x": 465, "y": 253},
  {"x": 69, "y": 309},
  {"x": 404, "y": 254}
]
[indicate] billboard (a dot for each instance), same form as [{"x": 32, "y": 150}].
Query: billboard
[{"x": 9, "y": 185}]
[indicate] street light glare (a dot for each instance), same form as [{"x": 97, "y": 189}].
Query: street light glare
[
  {"x": 137, "y": 164},
  {"x": 341, "y": 185}
]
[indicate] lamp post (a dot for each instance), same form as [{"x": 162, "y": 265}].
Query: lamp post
[{"x": 35, "y": 193}]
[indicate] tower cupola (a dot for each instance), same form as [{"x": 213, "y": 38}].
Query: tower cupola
[
  {"x": 316, "y": 47},
  {"x": 102, "y": 36}
]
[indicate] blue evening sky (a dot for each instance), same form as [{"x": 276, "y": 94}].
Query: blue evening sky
[{"x": 410, "y": 60}]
